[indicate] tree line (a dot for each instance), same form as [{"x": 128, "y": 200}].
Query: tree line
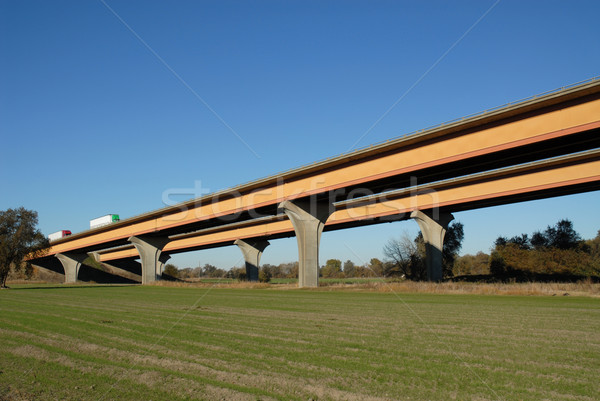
[{"x": 558, "y": 251}]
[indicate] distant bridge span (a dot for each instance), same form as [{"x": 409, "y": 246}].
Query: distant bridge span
[{"x": 542, "y": 147}]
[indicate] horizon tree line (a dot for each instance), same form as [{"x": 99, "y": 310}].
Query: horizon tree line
[{"x": 556, "y": 251}]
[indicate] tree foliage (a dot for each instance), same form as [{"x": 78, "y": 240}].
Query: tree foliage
[
  {"x": 478, "y": 264},
  {"x": 593, "y": 245},
  {"x": 332, "y": 268},
  {"x": 171, "y": 270},
  {"x": 264, "y": 275},
  {"x": 560, "y": 236},
  {"x": 452, "y": 245},
  {"x": 349, "y": 269},
  {"x": 558, "y": 250},
  {"x": 19, "y": 239}
]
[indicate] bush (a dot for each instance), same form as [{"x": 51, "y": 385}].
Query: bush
[
  {"x": 497, "y": 264},
  {"x": 264, "y": 275}
]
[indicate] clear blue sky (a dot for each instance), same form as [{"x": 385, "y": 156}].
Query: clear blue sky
[{"x": 94, "y": 121}]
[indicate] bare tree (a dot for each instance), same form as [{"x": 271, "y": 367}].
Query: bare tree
[
  {"x": 408, "y": 256},
  {"x": 404, "y": 253}
]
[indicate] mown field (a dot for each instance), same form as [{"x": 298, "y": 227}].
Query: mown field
[{"x": 168, "y": 343}]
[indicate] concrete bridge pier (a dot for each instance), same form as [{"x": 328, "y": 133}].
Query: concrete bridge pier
[
  {"x": 71, "y": 262},
  {"x": 252, "y": 251},
  {"x": 162, "y": 261},
  {"x": 308, "y": 218},
  {"x": 150, "y": 250},
  {"x": 433, "y": 227}
]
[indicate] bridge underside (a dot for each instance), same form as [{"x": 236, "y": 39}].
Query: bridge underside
[
  {"x": 85, "y": 273},
  {"x": 282, "y": 227}
]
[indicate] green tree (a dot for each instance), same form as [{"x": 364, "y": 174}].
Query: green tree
[
  {"x": 594, "y": 249},
  {"x": 332, "y": 268},
  {"x": 594, "y": 246},
  {"x": 520, "y": 241},
  {"x": 498, "y": 264},
  {"x": 452, "y": 244},
  {"x": 375, "y": 268},
  {"x": 209, "y": 270},
  {"x": 171, "y": 270},
  {"x": 19, "y": 239},
  {"x": 212, "y": 271},
  {"x": 185, "y": 272},
  {"x": 472, "y": 264},
  {"x": 238, "y": 273},
  {"x": 275, "y": 271},
  {"x": 558, "y": 250},
  {"x": 561, "y": 236},
  {"x": 349, "y": 269}
]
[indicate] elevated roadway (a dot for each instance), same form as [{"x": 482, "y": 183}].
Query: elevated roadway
[{"x": 540, "y": 147}]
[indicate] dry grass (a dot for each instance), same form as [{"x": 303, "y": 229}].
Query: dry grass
[
  {"x": 216, "y": 284},
  {"x": 583, "y": 288},
  {"x": 545, "y": 289}
]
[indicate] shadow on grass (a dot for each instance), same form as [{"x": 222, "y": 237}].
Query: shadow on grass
[{"x": 65, "y": 286}]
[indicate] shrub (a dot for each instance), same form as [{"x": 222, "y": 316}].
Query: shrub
[{"x": 264, "y": 275}]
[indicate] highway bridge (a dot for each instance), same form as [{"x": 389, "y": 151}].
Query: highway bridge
[{"x": 544, "y": 146}]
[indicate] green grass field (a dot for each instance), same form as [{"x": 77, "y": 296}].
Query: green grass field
[{"x": 166, "y": 343}]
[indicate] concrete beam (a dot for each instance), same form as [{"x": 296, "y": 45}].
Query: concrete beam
[
  {"x": 308, "y": 219},
  {"x": 150, "y": 250},
  {"x": 252, "y": 251},
  {"x": 71, "y": 263},
  {"x": 433, "y": 227}
]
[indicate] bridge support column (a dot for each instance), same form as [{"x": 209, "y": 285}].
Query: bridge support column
[
  {"x": 150, "y": 250},
  {"x": 160, "y": 267},
  {"x": 252, "y": 251},
  {"x": 308, "y": 219},
  {"x": 433, "y": 231},
  {"x": 71, "y": 262}
]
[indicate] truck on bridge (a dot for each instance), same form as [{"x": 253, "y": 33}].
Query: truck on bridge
[
  {"x": 58, "y": 235},
  {"x": 104, "y": 220}
]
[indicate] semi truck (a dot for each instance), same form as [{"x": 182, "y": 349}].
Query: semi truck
[
  {"x": 104, "y": 220},
  {"x": 58, "y": 235}
]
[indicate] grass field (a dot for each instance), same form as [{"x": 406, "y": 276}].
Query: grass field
[{"x": 168, "y": 343}]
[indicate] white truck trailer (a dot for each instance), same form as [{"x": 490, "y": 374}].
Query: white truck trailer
[
  {"x": 58, "y": 235},
  {"x": 104, "y": 220}
]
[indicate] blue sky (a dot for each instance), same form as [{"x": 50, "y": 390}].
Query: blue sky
[{"x": 103, "y": 111}]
